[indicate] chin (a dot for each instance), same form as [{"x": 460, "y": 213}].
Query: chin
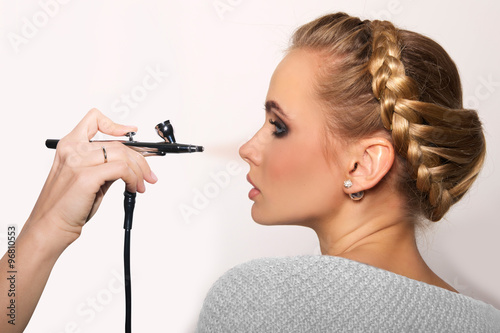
[
  {"x": 266, "y": 218},
  {"x": 259, "y": 219}
]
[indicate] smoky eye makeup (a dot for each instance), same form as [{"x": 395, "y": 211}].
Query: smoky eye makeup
[
  {"x": 280, "y": 127},
  {"x": 273, "y": 109}
]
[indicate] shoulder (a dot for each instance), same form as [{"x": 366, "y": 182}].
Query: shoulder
[
  {"x": 281, "y": 269},
  {"x": 264, "y": 279},
  {"x": 319, "y": 293},
  {"x": 264, "y": 291}
]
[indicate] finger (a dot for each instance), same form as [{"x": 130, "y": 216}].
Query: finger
[
  {"x": 115, "y": 151},
  {"x": 147, "y": 173},
  {"x": 95, "y": 121},
  {"x": 78, "y": 155},
  {"x": 137, "y": 162},
  {"x": 111, "y": 171},
  {"x": 130, "y": 156},
  {"x": 96, "y": 153}
]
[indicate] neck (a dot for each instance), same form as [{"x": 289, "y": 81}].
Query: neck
[
  {"x": 376, "y": 232},
  {"x": 380, "y": 232}
]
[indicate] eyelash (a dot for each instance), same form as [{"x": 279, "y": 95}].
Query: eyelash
[{"x": 281, "y": 129}]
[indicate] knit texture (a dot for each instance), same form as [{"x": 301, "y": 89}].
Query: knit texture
[{"x": 333, "y": 294}]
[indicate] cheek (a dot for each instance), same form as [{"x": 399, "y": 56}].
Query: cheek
[
  {"x": 286, "y": 164},
  {"x": 300, "y": 175},
  {"x": 299, "y": 189}
]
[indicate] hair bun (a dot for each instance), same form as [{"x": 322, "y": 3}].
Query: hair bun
[{"x": 424, "y": 134}]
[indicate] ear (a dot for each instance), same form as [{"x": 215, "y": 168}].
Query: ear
[{"x": 371, "y": 160}]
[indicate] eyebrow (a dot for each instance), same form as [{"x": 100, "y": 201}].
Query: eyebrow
[{"x": 273, "y": 106}]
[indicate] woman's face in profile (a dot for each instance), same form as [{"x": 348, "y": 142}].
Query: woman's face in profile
[{"x": 296, "y": 183}]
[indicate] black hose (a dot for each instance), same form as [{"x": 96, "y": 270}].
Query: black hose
[{"x": 129, "y": 204}]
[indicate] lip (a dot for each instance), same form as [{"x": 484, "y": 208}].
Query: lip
[
  {"x": 254, "y": 191},
  {"x": 250, "y": 181}
]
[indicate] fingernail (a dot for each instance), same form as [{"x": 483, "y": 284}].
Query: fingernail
[{"x": 154, "y": 176}]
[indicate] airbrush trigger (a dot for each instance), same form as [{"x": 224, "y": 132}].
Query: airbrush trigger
[{"x": 130, "y": 136}]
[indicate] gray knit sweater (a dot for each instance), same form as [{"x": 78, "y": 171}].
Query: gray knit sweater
[{"x": 332, "y": 294}]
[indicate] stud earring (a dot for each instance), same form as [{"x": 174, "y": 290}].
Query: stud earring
[{"x": 354, "y": 196}]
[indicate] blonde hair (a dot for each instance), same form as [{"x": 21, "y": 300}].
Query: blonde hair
[{"x": 375, "y": 77}]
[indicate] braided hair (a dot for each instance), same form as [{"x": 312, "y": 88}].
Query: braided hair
[{"x": 375, "y": 78}]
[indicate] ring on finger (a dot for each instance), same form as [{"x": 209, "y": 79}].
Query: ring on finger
[{"x": 105, "y": 154}]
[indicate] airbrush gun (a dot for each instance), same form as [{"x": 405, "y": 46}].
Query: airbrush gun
[{"x": 164, "y": 130}]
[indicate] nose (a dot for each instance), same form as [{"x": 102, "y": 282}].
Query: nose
[{"x": 251, "y": 152}]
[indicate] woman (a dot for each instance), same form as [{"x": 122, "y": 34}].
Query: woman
[{"x": 364, "y": 135}]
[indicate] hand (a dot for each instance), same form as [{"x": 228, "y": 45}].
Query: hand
[{"x": 79, "y": 178}]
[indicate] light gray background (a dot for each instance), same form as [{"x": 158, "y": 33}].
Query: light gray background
[{"x": 89, "y": 53}]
